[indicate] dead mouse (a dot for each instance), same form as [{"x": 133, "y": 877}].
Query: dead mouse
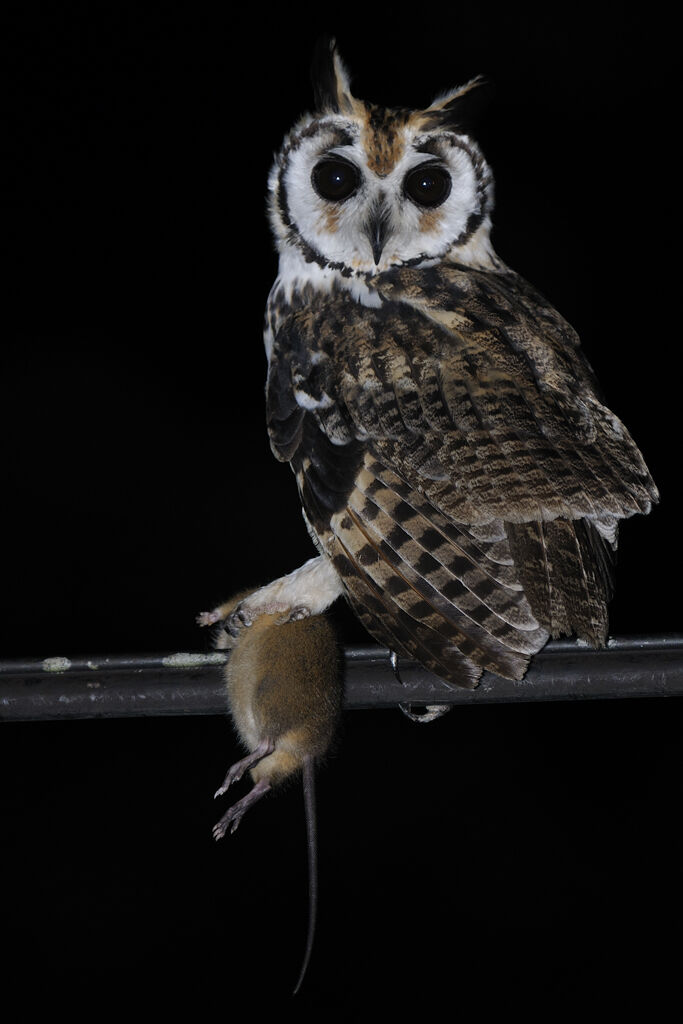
[{"x": 284, "y": 692}]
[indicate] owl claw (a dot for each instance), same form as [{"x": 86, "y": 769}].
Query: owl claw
[
  {"x": 430, "y": 714},
  {"x": 236, "y": 622},
  {"x": 295, "y": 614}
]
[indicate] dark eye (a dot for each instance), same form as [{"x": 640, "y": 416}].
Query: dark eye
[
  {"x": 428, "y": 185},
  {"x": 335, "y": 180}
]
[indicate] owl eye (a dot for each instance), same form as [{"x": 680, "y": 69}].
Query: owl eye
[
  {"x": 427, "y": 185},
  {"x": 335, "y": 180}
]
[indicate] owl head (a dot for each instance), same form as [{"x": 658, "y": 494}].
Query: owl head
[{"x": 358, "y": 189}]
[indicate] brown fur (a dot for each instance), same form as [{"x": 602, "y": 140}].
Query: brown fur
[
  {"x": 284, "y": 685},
  {"x": 284, "y": 690}
]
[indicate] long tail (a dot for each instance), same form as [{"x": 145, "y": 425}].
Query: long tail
[{"x": 312, "y": 844}]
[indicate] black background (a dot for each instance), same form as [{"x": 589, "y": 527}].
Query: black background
[{"x": 515, "y": 856}]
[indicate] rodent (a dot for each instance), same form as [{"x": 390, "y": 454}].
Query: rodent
[{"x": 284, "y": 686}]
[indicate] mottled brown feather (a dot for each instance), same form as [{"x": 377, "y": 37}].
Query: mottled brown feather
[{"x": 455, "y": 462}]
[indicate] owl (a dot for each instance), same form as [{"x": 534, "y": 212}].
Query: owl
[{"x": 458, "y": 472}]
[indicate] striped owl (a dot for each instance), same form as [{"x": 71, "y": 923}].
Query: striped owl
[{"x": 459, "y": 474}]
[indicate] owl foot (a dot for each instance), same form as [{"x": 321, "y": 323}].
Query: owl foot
[
  {"x": 431, "y": 711},
  {"x": 245, "y": 616},
  {"x": 295, "y": 615},
  {"x": 241, "y": 617},
  {"x": 238, "y": 620},
  {"x": 430, "y": 714}
]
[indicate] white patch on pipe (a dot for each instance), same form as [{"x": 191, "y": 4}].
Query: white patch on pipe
[
  {"x": 184, "y": 660},
  {"x": 56, "y": 664}
]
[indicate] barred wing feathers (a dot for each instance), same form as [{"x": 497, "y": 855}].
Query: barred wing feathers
[{"x": 455, "y": 463}]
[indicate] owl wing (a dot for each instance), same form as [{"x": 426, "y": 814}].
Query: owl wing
[{"x": 455, "y": 463}]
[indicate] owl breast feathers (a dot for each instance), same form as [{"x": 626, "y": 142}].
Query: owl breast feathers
[{"x": 454, "y": 461}]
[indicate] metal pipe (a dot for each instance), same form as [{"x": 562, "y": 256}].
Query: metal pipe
[{"x": 130, "y": 686}]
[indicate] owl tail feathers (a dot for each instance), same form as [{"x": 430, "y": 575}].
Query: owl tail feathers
[
  {"x": 565, "y": 569},
  {"x": 407, "y": 637},
  {"x": 453, "y": 648}
]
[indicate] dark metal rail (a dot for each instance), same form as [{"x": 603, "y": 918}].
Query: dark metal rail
[{"x": 191, "y": 684}]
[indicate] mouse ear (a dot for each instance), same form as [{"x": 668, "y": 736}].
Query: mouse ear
[
  {"x": 462, "y": 107},
  {"x": 330, "y": 79}
]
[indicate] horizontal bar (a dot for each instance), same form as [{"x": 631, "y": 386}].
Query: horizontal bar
[{"x": 130, "y": 686}]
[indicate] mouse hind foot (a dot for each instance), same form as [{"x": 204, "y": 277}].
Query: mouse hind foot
[
  {"x": 237, "y": 770},
  {"x": 234, "y": 814}
]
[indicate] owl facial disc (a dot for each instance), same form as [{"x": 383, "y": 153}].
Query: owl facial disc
[{"x": 361, "y": 189}]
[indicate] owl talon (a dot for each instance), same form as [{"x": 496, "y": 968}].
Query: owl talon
[
  {"x": 295, "y": 614},
  {"x": 239, "y": 619},
  {"x": 430, "y": 714}
]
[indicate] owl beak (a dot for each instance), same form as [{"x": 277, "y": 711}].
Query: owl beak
[{"x": 378, "y": 230}]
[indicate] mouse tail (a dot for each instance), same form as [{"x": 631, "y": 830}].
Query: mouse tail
[{"x": 312, "y": 847}]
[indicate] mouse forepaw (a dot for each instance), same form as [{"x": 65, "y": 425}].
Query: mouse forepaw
[{"x": 209, "y": 618}]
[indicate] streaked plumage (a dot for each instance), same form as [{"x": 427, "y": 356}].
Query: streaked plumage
[{"x": 454, "y": 460}]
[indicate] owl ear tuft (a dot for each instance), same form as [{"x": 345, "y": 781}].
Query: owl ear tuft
[
  {"x": 462, "y": 107},
  {"x": 330, "y": 79}
]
